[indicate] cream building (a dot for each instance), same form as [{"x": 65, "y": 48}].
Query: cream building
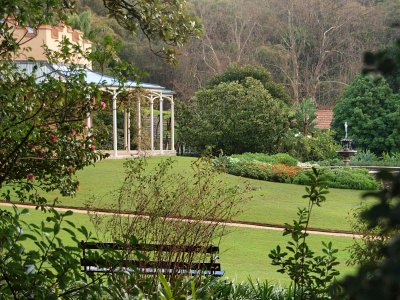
[{"x": 33, "y": 40}]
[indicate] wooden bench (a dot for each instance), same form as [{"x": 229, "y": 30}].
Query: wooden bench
[{"x": 144, "y": 259}]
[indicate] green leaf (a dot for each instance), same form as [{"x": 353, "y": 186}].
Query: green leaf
[
  {"x": 166, "y": 287},
  {"x": 68, "y": 213}
]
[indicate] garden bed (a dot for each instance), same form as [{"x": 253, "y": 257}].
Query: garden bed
[{"x": 281, "y": 168}]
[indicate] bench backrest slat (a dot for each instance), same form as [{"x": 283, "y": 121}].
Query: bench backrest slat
[
  {"x": 150, "y": 247},
  {"x": 162, "y": 262}
]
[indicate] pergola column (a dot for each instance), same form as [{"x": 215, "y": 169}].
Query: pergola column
[
  {"x": 88, "y": 118},
  {"x": 151, "y": 124},
  {"x": 161, "y": 123},
  {"x": 88, "y": 121},
  {"x": 127, "y": 129},
  {"x": 114, "y": 108},
  {"x": 139, "y": 125},
  {"x": 172, "y": 124}
]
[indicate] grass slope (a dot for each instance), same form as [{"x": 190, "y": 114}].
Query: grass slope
[{"x": 272, "y": 203}]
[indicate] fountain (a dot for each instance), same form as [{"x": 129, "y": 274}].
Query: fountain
[{"x": 347, "y": 150}]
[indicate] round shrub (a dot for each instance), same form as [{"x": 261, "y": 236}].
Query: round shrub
[
  {"x": 344, "y": 178},
  {"x": 235, "y": 117},
  {"x": 320, "y": 146}
]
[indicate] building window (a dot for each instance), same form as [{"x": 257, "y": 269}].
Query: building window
[{"x": 54, "y": 33}]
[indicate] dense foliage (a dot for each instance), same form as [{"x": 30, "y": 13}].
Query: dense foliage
[
  {"x": 235, "y": 117},
  {"x": 42, "y": 134},
  {"x": 50, "y": 267},
  {"x": 380, "y": 279},
  {"x": 372, "y": 112}
]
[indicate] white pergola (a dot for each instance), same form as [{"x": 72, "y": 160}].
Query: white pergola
[{"x": 152, "y": 93}]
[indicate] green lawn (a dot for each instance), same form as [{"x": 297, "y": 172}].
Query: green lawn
[
  {"x": 272, "y": 203},
  {"x": 244, "y": 252}
]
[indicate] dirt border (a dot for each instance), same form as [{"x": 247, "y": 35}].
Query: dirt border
[{"x": 241, "y": 224}]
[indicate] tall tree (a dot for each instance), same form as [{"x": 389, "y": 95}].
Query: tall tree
[{"x": 232, "y": 29}]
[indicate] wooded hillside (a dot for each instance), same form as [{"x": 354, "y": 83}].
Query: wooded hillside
[{"x": 315, "y": 47}]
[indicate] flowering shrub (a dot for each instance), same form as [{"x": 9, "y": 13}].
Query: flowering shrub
[
  {"x": 283, "y": 173},
  {"x": 258, "y": 170}
]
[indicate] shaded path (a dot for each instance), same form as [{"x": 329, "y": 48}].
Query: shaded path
[{"x": 229, "y": 224}]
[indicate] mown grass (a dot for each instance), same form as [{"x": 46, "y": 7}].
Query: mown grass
[
  {"x": 244, "y": 251},
  {"x": 272, "y": 203}
]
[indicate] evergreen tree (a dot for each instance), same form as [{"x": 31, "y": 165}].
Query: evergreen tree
[{"x": 372, "y": 112}]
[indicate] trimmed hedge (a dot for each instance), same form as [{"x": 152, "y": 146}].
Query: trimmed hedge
[{"x": 279, "y": 158}]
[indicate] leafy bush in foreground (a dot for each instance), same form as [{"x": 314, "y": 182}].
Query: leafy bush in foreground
[
  {"x": 36, "y": 262},
  {"x": 312, "y": 276}
]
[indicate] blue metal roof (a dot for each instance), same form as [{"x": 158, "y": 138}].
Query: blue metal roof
[{"x": 90, "y": 76}]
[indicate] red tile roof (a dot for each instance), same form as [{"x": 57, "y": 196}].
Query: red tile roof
[{"x": 324, "y": 118}]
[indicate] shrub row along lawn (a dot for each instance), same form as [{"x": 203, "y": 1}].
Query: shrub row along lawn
[
  {"x": 244, "y": 251},
  {"x": 271, "y": 203},
  {"x": 283, "y": 168}
]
